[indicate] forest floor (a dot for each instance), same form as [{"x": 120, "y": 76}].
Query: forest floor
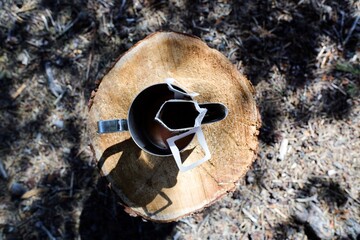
[{"x": 303, "y": 58}]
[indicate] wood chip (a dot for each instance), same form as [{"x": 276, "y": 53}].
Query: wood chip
[
  {"x": 32, "y": 193},
  {"x": 308, "y": 199},
  {"x": 54, "y": 87},
  {"x": 17, "y": 93},
  {"x": 3, "y": 172},
  {"x": 283, "y": 149},
  {"x": 276, "y": 210},
  {"x": 249, "y": 215},
  {"x": 331, "y": 172}
]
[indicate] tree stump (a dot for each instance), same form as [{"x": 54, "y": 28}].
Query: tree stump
[{"x": 152, "y": 187}]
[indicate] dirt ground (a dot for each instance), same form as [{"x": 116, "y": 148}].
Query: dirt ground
[{"x": 303, "y": 57}]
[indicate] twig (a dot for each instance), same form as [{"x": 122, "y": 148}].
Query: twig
[
  {"x": 308, "y": 199},
  {"x": 51, "y": 18},
  {"x": 45, "y": 22},
  {"x": 202, "y": 223},
  {"x": 123, "y": 2},
  {"x": 18, "y": 91},
  {"x": 342, "y": 24},
  {"x": 71, "y": 184},
  {"x": 283, "y": 149},
  {"x": 262, "y": 222},
  {"x": 351, "y": 30},
  {"x": 186, "y": 221},
  {"x": 3, "y": 172},
  {"x": 200, "y": 28},
  {"x": 248, "y": 214},
  {"x": 177, "y": 235},
  {"x": 276, "y": 210},
  {"x": 338, "y": 88},
  {"x": 70, "y": 25},
  {"x": 55, "y": 89},
  {"x": 232, "y": 52},
  {"x": 122, "y": 6},
  {"x": 42, "y": 227},
  {"x": 89, "y": 65},
  {"x": 353, "y": 198},
  {"x": 59, "y": 98}
]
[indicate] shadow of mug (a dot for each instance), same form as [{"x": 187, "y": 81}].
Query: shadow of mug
[{"x": 141, "y": 176}]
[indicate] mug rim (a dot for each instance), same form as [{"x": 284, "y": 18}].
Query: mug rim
[{"x": 130, "y": 127}]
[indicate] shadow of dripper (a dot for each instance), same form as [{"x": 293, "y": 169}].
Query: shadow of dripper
[{"x": 138, "y": 177}]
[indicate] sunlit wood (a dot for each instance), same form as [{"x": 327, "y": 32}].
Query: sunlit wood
[{"x": 151, "y": 186}]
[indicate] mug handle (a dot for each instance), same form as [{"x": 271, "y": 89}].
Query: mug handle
[
  {"x": 110, "y": 126},
  {"x": 176, "y": 153}
]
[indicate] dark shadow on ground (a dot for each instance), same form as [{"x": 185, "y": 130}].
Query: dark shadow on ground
[
  {"x": 322, "y": 191},
  {"x": 104, "y": 218},
  {"x": 281, "y": 35},
  {"x": 289, "y": 229},
  {"x": 327, "y": 190},
  {"x": 270, "y": 119},
  {"x": 53, "y": 211}
]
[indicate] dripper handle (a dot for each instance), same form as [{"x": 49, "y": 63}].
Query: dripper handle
[
  {"x": 110, "y": 126},
  {"x": 215, "y": 112}
]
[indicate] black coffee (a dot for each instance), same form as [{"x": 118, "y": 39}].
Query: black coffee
[
  {"x": 177, "y": 114},
  {"x": 148, "y": 132}
]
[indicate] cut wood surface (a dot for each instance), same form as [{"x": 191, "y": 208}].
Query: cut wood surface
[{"x": 152, "y": 186}]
